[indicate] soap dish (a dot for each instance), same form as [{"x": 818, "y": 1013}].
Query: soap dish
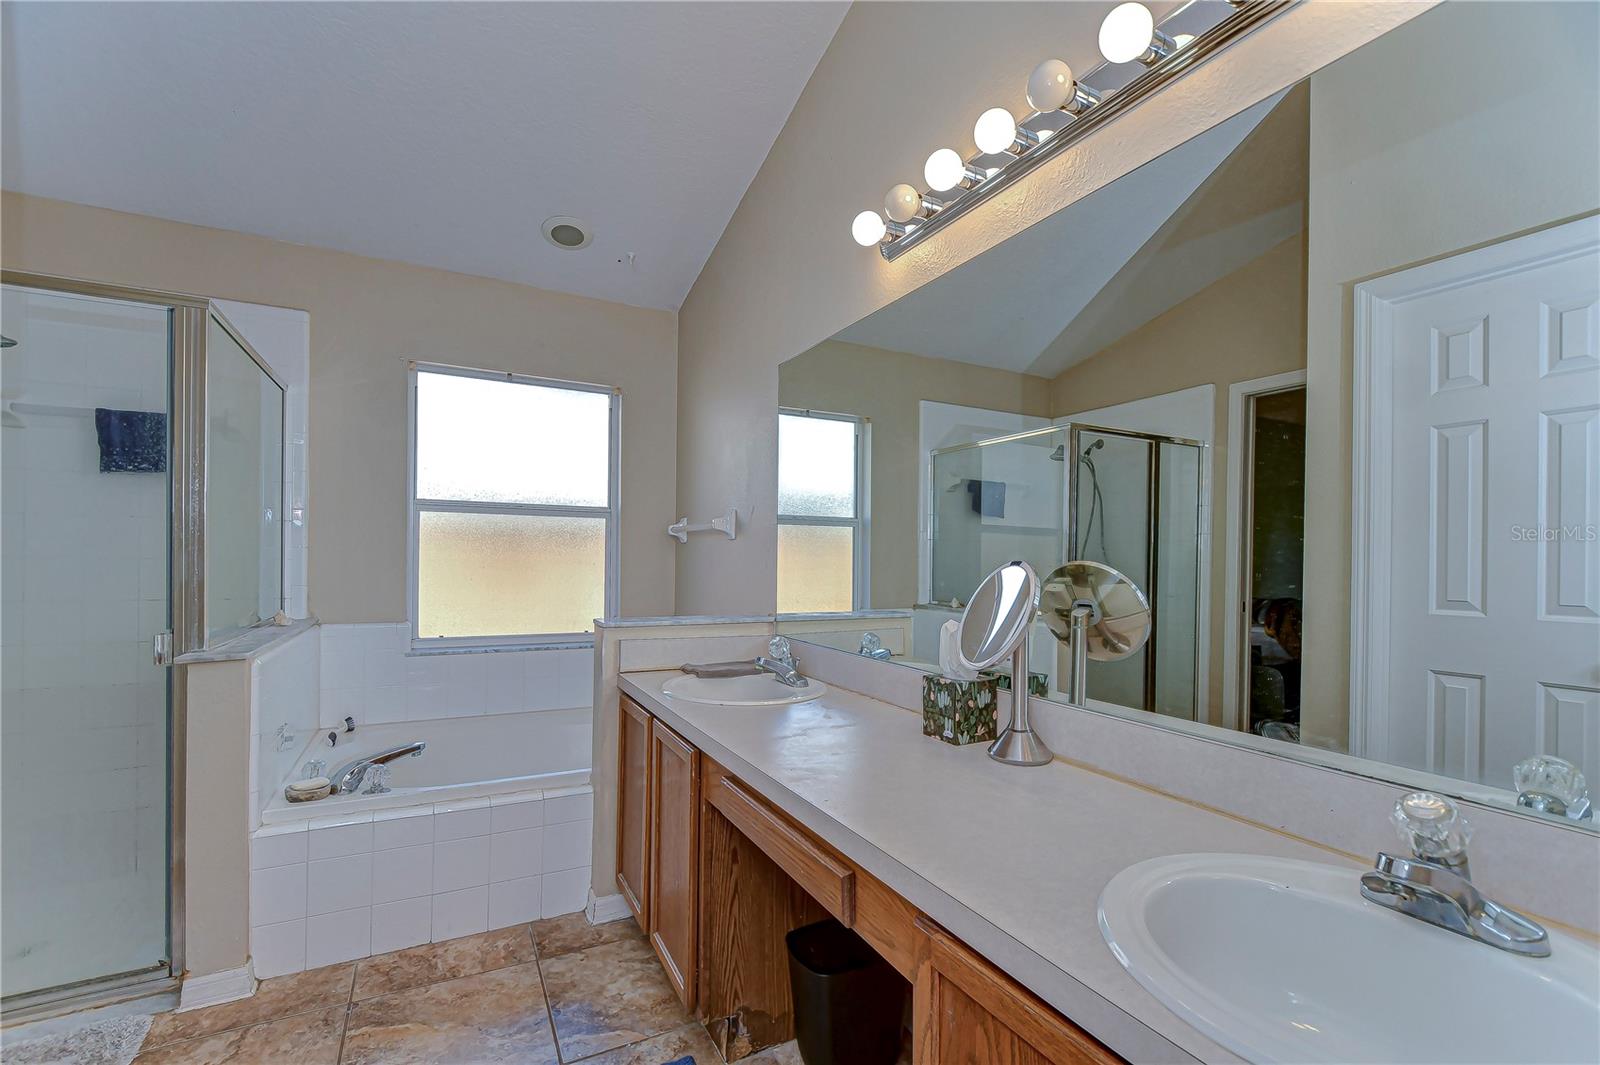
[{"x": 308, "y": 790}]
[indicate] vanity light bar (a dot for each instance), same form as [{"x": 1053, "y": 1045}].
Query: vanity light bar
[{"x": 1128, "y": 33}]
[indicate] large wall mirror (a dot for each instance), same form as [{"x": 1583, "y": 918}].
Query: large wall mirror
[{"x": 1323, "y": 381}]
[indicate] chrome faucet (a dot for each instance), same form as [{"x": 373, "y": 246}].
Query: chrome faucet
[
  {"x": 779, "y": 661},
  {"x": 1435, "y": 884},
  {"x": 1552, "y": 786},
  {"x": 872, "y": 647},
  {"x": 349, "y": 777}
]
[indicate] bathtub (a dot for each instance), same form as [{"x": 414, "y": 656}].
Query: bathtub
[
  {"x": 490, "y": 827},
  {"x": 466, "y": 758}
]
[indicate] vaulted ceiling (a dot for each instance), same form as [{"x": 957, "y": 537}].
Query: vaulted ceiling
[{"x": 441, "y": 134}]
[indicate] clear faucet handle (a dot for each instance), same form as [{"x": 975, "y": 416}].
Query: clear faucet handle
[
  {"x": 1431, "y": 826},
  {"x": 778, "y": 647},
  {"x": 1545, "y": 782}
]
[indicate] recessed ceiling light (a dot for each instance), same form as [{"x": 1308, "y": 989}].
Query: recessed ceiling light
[{"x": 566, "y": 233}]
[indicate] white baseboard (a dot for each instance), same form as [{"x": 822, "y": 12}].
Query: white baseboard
[
  {"x": 605, "y": 909},
  {"x": 213, "y": 989}
]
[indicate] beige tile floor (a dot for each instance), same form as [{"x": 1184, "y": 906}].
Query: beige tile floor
[{"x": 556, "y": 992}]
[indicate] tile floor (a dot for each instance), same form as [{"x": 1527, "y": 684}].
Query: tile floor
[{"x": 550, "y": 993}]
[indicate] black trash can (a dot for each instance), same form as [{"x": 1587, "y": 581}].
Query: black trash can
[{"x": 849, "y": 1003}]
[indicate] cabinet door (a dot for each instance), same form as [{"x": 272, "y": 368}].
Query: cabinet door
[
  {"x": 674, "y": 850},
  {"x": 967, "y": 1010},
  {"x": 633, "y": 806}
]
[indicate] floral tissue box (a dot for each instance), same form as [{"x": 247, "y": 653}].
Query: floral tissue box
[
  {"x": 959, "y": 711},
  {"x": 1038, "y": 684}
]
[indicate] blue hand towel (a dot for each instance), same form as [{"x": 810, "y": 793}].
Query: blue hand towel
[
  {"x": 988, "y": 498},
  {"x": 134, "y": 441}
]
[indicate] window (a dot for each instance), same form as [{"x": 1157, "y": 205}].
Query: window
[
  {"x": 513, "y": 507},
  {"x": 822, "y": 515}
]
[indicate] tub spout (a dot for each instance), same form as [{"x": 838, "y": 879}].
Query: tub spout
[{"x": 349, "y": 777}]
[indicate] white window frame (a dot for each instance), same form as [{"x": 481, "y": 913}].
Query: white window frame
[
  {"x": 861, "y": 562},
  {"x": 610, "y": 512}
]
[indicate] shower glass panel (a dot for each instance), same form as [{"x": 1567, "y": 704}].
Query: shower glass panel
[
  {"x": 85, "y": 505},
  {"x": 1112, "y": 509},
  {"x": 244, "y": 487},
  {"x": 993, "y": 502}
]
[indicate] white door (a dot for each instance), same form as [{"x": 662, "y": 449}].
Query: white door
[{"x": 1493, "y": 508}]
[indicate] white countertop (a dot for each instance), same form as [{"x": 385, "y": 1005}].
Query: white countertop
[{"x": 1011, "y": 860}]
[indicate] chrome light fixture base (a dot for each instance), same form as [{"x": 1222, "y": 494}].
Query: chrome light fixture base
[{"x": 1169, "y": 64}]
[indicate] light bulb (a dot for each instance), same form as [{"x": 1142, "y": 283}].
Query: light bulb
[
  {"x": 1128, "y": 33},
  {"x": 868, "y": 228},
  {"x": 1053, "y": 87},
  {"x": 995, "y": 131},
  {"x": 944, "y": 170},
  {"x": 903, "y": 203},
  {"x": 1050, "y": 85}
]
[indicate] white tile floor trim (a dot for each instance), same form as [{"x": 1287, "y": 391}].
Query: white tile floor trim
[{"x": 338, "y": 888}]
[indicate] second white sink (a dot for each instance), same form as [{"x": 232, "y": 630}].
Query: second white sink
[
  {"x": 1284, "y": 961},
  {"x": 763, "y": 689}
]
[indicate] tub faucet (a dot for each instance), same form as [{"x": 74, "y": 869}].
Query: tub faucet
[
  {"x": 1435, "y": 883},
  {"x": 348, "y": 778}
]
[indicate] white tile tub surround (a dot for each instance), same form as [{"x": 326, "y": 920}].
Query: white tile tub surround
[
  {"x": 369, "y": 673},
  {"x": 283, "y": 695},
  {"x": 332, "y": 889}
]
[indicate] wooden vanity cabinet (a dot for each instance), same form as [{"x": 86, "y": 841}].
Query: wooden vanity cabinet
[
  {"x": 674, "y": 857},
  {"x": 633, "y": 809},
  {"x": 966, "y": 1010}
]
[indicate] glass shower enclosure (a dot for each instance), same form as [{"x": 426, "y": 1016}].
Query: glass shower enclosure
[
  {"x": 103, "y": 508},
  {"x": 1130, "y": 500}
]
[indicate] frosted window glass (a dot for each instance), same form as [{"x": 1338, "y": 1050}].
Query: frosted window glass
[
  {"x": 816, "y": 467},
  {"x": 508, "y": 442},
  {"x": 509, "y": 574},
  {"x": 816, "y": 565}
]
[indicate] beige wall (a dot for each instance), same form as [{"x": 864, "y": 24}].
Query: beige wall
[
  {"x": 1249, "y": 324},
  {"x": 1399, "y": 176},
  {"x": 368, "y": 317},
  {"x": 786, "y": 275},
  {"x": 887, "y": 387},
  {"x": 217, "y": 818}
]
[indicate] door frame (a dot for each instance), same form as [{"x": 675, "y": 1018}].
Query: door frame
[
  {"x": 186, "y": 473},
  {"x": 1372, "y": 425},
  {"x": 1239, "y": 517}
]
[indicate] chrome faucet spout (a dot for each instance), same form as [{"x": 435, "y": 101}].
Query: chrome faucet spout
[
  {"x": 784, "y": 671},
  {"x": 348, "y": 778},
  {"x": 1434, "y": 885}
]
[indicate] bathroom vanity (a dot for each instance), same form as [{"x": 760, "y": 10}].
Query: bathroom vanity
[{"x": 716, "y": 873}]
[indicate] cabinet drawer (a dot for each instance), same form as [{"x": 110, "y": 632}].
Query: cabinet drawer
[{"x": 823, "y": 876}]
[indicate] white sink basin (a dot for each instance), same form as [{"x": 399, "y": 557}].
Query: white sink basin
[
  {"x": 762, "y": 689},
  {"x": 1284, "y": 961}
]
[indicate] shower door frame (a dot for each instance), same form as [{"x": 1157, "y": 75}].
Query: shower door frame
[{"x": 186, "y": 573}]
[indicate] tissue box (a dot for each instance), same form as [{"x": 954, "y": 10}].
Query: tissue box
[
  {"x": 1038, "y": 683},
  {"x": 959, "y": 711}
]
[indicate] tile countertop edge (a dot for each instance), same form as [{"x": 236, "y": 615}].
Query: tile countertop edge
[
  {"x": 251, "y": 643},
  {"x": 1090, "y": 1008}
]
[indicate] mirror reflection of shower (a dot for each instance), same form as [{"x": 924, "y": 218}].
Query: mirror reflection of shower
[{"x": 1128, "y": 500}]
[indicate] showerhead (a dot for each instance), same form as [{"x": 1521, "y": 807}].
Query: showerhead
[
  {"x": 1059, "y": 454},
  {"x": 7, "y": 342},
  {"x": 1100, "y": 443}
]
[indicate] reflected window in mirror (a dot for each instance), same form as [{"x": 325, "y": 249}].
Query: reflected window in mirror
[{"x": 822, "y": 512}]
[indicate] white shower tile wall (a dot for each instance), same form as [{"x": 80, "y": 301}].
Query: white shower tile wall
[
  {"x": 337, "y": 888},
  {"x": 370, "y": 674},
  {"x": 284, "y": 695}
]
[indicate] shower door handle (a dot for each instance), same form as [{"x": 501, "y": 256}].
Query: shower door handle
[{"x": 161, "y": 648}]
